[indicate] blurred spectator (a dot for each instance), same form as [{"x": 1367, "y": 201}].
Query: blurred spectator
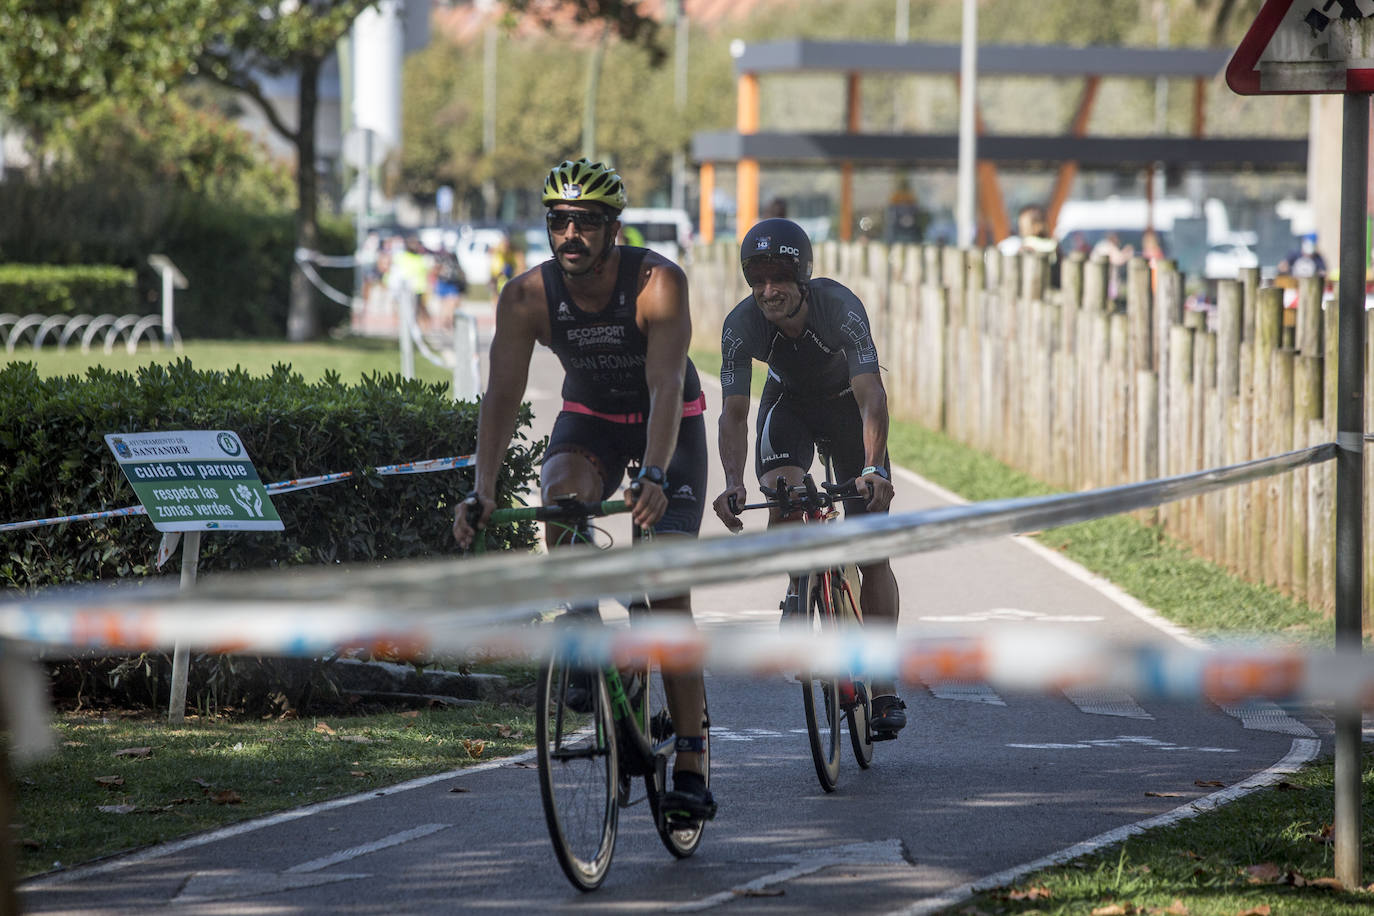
[
  {"x": 1305, "y": 260},
  {"x": 1151, "y": 248},
  {"x": 1117, "y": 255},
  {"x": 502, "y": 265},
  {"x": 409, "y": 274},
  {"x": 449, "y": 283},
  {"x": 1033, "y": 235},
  {"x": 777, "y": 207},
  {"x": 906, "y": 221}
]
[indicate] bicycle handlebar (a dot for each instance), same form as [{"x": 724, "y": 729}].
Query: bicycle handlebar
[
  {"x": 805, "y": 496},
  {"x": 565, "y": 509}
]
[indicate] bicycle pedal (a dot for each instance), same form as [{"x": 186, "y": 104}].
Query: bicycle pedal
[{"x": 885, "y": 736}]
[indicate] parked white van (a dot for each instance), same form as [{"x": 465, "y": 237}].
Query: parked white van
[{"x": 662, "y": 229}]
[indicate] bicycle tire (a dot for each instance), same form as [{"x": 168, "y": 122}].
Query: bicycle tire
[
  {"x": 578, "y": 767},
  {"x": 680, "y": 841},
  {"x": 859, "y": 710},
  {"x": 820, "y": 693}
]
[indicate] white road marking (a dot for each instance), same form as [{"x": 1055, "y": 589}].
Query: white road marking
[
  {"x": 1123, "y": 741},
  {"x": 883, "y": 852},
  {"x": 1011, "y": 613},
  {"x": 1104, "y": 701},
  {"x": 225, "y": 884},
  {"x": 1266, "y": 716},
  {"x": 968, "y": 693}
]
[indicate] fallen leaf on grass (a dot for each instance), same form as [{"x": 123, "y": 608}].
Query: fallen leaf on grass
[
  {"x": 1263, "y": 873},
  {"x": 1030, "y": 893},
  {"x": 1115, "y": 909},
  {"x": 361, "y": 774},
  {"x": 1209, "y": 783},
  {"x": 1325, "y": 836},
  {"x": 1332, "y": 884},
  {"x": 1261, "y": 910},
  {"x": 1174, "y": 909},
  {"x": 507, "y": 731},
  {"x": 109, "y": 782},
  {"x": 410, "y": 714},
  {"x": 134, "y": 752},
  {"x": 1163, "y": 794},
  {"x": 117, "y": 809},
  {"x": 226, "y": 797},
  {"x": 474, "y": 747},
  {"x": 323, "y": 728}
]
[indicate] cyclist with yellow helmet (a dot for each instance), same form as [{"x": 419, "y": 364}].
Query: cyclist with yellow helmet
[{"x": 617, "y": 318}]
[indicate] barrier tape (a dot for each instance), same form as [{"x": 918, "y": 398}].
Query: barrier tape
[
  {"x": 1014, "y": 659},
  {"x": 285, "y": 486}
]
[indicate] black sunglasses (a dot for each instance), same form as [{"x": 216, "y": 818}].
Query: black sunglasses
[{"x": 583, "y": 219}]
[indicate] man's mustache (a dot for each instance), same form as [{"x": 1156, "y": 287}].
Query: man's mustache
[{"x": 572, "y": 248}]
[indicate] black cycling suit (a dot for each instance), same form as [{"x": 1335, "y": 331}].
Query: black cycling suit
[
  {"x": 808, "y": 398},
  {"x": 606, "y": 397}
]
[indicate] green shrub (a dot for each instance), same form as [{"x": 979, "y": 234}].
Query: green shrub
[
  {"x": 50, "y": 289},
  {"x": 54, "y": 462}
]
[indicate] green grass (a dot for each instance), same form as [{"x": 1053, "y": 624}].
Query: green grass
[
  {"x": 95, "y": 798},
  {"x": 351, "y": 357},
  {"x": 1269, "y": 849}
]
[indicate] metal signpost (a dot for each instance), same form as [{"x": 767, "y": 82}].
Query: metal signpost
[
  {"x": 1305, "y": 48},
  {"x": 192, "y": 481}
]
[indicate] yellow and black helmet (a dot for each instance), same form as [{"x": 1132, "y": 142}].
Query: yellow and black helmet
[{"x": 584, "y": 181}]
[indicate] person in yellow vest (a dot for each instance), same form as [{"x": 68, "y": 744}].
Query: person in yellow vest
[{"x": 502, "y": 265}]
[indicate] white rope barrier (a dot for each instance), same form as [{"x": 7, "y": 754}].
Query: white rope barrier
[{"x": 285, "y": 486}]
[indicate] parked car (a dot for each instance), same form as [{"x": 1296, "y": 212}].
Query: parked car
[
  {"x": 662, "y": 229},
  {"x": 1224, "y": 262}
]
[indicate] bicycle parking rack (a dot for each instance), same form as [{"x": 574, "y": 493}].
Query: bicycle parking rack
[{"x": 38, "y": 328}]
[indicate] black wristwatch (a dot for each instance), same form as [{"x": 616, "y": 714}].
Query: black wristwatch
[
  {"x": 876, "y": 469},
  {"x": 654, "y": 474}
]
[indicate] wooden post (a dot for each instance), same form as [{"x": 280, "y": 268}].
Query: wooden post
[{"x": 1307, "y": 399}]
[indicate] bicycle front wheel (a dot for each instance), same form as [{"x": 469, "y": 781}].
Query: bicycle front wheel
[
  {"x": 857, "y": 701},
  {"x": 577, "y": 759},
  {"x": 820, "y": 693},
  {"x": 658, "y": 723}
]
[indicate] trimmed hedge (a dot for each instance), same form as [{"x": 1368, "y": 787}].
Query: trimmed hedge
[
  {"x": 82, "y": 289},
  {"x": 54, "y": 462},
  {"x": 237, "y": 260}
]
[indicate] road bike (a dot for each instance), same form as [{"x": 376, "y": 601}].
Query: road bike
[
  {"x": 824, "y": 602},
  {"x": 598, "y": 727}
]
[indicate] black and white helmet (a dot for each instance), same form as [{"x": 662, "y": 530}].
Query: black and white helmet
[{"x": 777, "y": 239}]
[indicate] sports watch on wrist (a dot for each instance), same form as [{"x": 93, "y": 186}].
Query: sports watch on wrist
[
  {"x": 880, "y": 471},
  {"x": 654, "y": 474}
]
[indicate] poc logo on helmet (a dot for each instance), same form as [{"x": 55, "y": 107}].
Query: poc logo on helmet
[{"x": 788, "y": 249}]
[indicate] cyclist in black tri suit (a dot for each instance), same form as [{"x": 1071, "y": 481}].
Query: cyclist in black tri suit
[
  {"x": 823, "y": 386},
  {"x": 618, "y": 319}
]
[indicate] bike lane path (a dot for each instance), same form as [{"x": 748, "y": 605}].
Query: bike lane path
[{"x": 977, "y": 784}]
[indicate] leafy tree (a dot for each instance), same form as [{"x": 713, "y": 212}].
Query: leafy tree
[
  {"x": 293, "y": 38},
  {"x": 57, "y": 56}
]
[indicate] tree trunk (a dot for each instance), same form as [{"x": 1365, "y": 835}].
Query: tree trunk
[{"x": 302, "y": 322}]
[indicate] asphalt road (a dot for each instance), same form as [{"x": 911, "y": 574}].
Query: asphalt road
[{"x": 978, "y": 784}]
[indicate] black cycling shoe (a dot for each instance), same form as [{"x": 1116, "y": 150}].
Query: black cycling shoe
[
  {"x": 690, "y": 803},
  {"x": 889, "y": 717},
  {"x": 577, "y": 694}
]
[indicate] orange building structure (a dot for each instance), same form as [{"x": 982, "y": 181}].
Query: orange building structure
[{"x": 750, "y": 148}]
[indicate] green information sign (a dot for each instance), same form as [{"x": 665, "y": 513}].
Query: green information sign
[{"x": 195, "y": 480}]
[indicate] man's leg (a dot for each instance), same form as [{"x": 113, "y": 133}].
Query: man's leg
[
  {"x": 880, "y": 602},
  {"x": 570, "y": 473}
]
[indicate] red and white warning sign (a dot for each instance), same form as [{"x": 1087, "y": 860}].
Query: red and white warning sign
[{"x": 1306, "y": 46}]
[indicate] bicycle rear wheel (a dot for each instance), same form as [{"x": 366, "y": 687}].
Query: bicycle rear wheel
[
  {"x": 820, "y": 693},
  {"x": 658, "y": 728},
  {"x": 577, "y": 759}
]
